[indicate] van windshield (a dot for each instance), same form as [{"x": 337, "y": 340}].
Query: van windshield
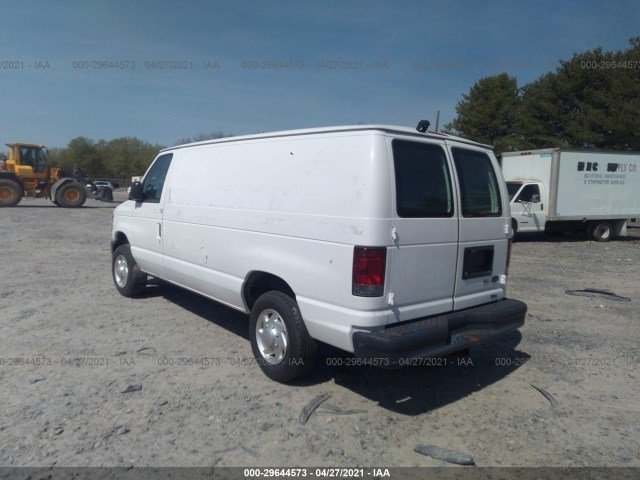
[{"x": 479, "y": 190}]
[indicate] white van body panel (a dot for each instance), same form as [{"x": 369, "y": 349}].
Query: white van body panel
[
  {"x": 283, "y": 221},
  {"x": 295, "y": 205}
]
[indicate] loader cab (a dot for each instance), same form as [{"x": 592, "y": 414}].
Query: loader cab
[
  {"x": 27, "y": 159},
  {"x": 34, "y": 157}
]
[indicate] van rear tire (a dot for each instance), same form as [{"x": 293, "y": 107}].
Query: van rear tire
[{"x": 280, "y": 341}]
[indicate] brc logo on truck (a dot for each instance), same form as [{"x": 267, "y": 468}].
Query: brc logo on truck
[
  {"x": 611, "y": 167},
  {"x": 591, "y": 166}
]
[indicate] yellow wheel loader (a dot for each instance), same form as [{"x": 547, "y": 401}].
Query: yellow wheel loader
[{"x": 26, "y": 173}]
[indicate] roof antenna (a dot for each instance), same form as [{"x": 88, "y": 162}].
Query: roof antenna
[{"x": 423, "y": 125}]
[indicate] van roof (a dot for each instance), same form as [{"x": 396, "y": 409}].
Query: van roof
[{"x": 337, "y": 129}]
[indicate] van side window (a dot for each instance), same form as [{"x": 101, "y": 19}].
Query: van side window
[
  {"x": 527, "y": 193},
  {"x": 479, "y": 190},
  {"x": 423, "y": 183},
  {"x": 154, "y": 180}
]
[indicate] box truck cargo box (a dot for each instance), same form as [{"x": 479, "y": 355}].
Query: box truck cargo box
[{"x": 555, "y": 190}]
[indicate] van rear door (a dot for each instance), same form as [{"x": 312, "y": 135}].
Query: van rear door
[
  {"x": 423, "y": 258},
  {"x": 483, "y": 227}
]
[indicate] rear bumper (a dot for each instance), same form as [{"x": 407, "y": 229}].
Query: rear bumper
[{"x": 440, "y": 335}]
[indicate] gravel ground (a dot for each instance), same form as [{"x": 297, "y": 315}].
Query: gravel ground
[{"x": 90, "y": 378}]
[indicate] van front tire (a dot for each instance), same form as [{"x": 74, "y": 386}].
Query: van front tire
[
  {"x": 127, "y": 276},
  {"x": 279, "y": 339}
]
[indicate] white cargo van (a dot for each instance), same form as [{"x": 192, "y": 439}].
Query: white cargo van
[
  {"x": 556, "y": 190},
  {"x": 383, "y": 241}
]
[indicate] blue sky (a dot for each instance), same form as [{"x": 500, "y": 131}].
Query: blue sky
[{"x": 393, "y": 62}]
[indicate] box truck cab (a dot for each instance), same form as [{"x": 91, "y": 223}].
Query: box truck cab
[
  {"x": 527, "y": 205},
  {"x": 556, "y": 190},
  {"x": 383, "y": 241}
]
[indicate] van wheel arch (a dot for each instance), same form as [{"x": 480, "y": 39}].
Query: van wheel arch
[
  {"x": 258, "y": 283},
  {"x": 120, "y": 239}
]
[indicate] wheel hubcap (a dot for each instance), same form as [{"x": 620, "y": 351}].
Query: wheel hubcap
[
  {"x": 120, "y": 271},
  {"x": 271, "y": 336},
  {"x": 5, "y": 193}
]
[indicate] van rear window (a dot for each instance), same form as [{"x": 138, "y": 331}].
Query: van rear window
[
  {"x": 479, "y": 190},
  {"x": 423, "y": 185}
]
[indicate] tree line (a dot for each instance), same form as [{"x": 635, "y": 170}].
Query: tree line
[
  {"x": 591, "y": 101},
  {"x": 118, "y": 158}
]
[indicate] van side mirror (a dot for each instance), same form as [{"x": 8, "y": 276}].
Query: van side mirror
[
  {"x": 136, "y": 192},
  {"x": 535, "y": 198}
]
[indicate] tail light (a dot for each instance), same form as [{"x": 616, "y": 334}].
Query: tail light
[
  {"x": 506, "y": 271},
  {"x": 369, "y": 266}
]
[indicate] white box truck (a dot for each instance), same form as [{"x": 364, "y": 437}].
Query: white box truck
[
  {"x": 383, "y": 241},
  {"x": 556, "y": 190}
]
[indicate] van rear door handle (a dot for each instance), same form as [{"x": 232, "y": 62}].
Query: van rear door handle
[{"x": 159, "y": 231}]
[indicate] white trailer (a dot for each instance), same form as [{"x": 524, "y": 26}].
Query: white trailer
[{"x": 556, "y": 190}]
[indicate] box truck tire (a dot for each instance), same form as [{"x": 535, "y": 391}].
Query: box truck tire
[
  {"x": 601, "y": 231},
  {"x": 514, "y": 228},
  {"x": 553, "y": 231},
  {"x": 279, "y": 339}
]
